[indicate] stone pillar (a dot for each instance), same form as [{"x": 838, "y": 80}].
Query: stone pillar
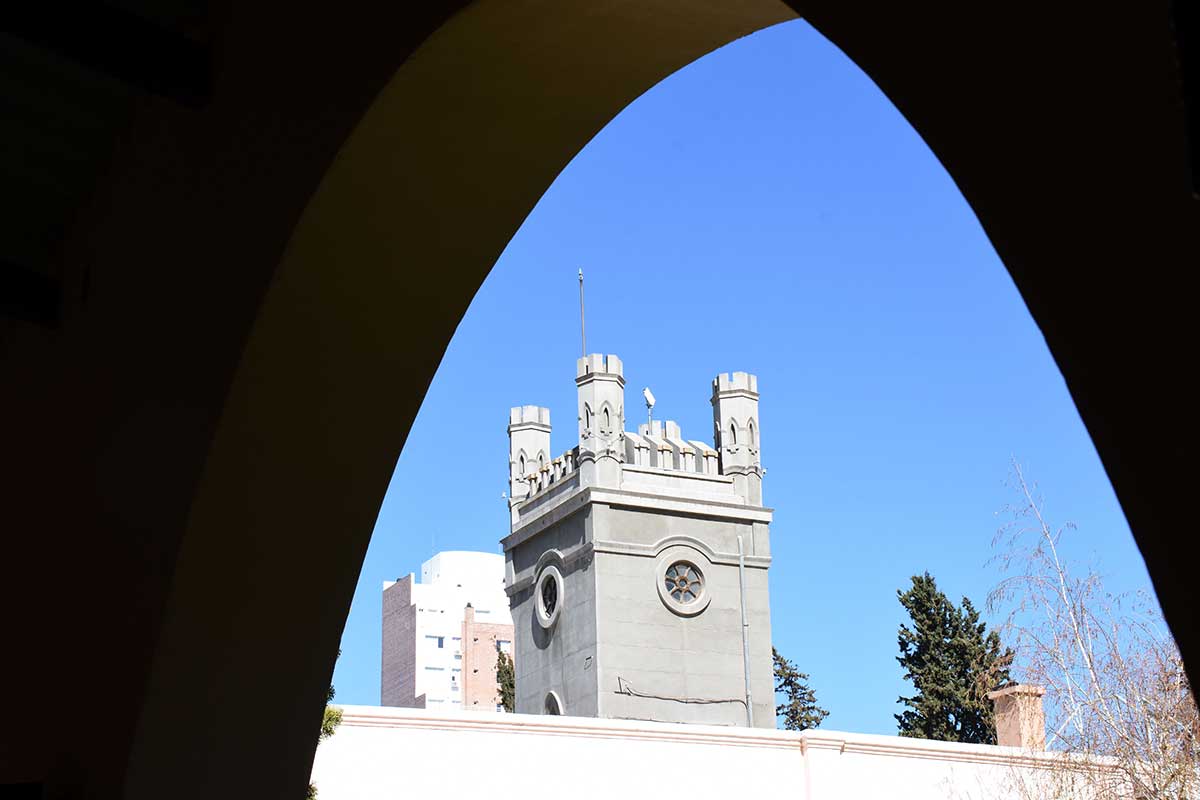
[{"x": 1020, "y": 719}]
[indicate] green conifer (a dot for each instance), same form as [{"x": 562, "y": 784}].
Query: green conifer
[
  {"x": 506, "y": 680},
  {"x": 953, "y": 662},
  {"x": 799, "y": 709}
]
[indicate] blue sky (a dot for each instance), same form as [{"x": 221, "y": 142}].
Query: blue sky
[{"x": 767, "y": 209}]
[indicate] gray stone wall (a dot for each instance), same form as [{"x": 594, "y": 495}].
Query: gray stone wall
[
  {"x": 692, "y": 665},
  {"x": 562, "y": 659}
]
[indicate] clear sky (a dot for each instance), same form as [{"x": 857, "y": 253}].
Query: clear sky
[{"x": 767, "y": 209}]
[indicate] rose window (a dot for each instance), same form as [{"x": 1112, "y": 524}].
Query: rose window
[{"x": 683, "y": 582}]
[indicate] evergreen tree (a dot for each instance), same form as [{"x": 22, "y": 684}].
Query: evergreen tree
[
  {"x": 953, "y": 662},
  {"x": 506, "y": 679},
  {"x": 800, "y": 710}
]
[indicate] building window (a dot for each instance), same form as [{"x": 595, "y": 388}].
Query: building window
[
  {"x": 435, "y": 669},
  {"x": 553, "y": 706},
  {"x": 683, "y": 582},
  {"x": 504, "y": 646},
  {"x": 440, "y": 641},
  {"x": 682, "y": 586},
  {"x": 548, "y": 596},
  {"x": 500, "y": 707}
]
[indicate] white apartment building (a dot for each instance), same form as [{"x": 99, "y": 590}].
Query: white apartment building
[{"x": 426, "y": 663}]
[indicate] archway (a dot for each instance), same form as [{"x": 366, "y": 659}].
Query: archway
[{"x": 1062, "y": 142}]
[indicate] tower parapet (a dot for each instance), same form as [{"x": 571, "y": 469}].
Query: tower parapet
[
  {"x": 609, "y": 456},
  {"x": 530, "y": 468}
]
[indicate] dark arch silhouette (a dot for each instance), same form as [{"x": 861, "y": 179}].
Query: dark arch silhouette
[{"x": 239, "y": 303}]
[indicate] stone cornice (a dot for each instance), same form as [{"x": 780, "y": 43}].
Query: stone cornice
[
  {"x": 569, "y": 558},
  {"x": 653, "y": 550},
  {"x": 559, "y": 507}
]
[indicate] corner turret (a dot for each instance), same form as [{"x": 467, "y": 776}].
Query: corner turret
[
  {"x": 528, "y": 449},
  {"x": 735, "y": 422},
  {"x": 601, "y": 385}
]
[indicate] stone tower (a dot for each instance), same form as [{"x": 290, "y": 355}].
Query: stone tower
[{"x": 622, "y": 563}]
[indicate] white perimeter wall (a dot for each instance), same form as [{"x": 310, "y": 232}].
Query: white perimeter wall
[{"x": 416, "y": 753}]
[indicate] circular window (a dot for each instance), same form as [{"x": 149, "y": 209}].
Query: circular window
[
  {"x": 683, "y": 582},
  {"x": 548, "y": 594},
  {"x": 682, "y": 587}
]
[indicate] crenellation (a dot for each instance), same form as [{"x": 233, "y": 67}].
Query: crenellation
[
  {"x": 598, "y": 364},
  {"x": 661, "y": 454},
  {"x": 683, "y": 453},
  {"x": 637, "y": 450},
  {"x": 546, "y": 475},
  {"x": 529, "y": 415},
  {"x": 604, "y": 446},
  {"x": 707, "y": 459},
  {"x": 737, "y": 381}
]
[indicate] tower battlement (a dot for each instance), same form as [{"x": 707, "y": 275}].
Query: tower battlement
[
  {"x": 597, "y": 364},
  {"x": 737, "y": 381},
  {"x": 604, "y": 449},
  {"x": 528, "y": 415}
]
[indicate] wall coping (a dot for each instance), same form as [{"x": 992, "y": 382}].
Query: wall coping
[{"x": 591, "y": 728}]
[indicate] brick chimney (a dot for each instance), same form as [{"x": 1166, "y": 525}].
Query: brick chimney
[{"x": 1020, "y": 719}]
